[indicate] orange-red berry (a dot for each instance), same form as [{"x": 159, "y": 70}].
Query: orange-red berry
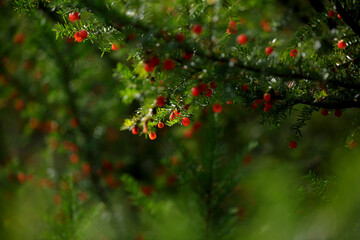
[
  {"x": 160, "y": 125},
  {"x": 293, "y": 144},
  {"x": 135, "y": 130},
  {"x": 74, "y": 16},
  {"x": 341, "y": 44},
  {"x": 242, "y": 39},
  {"x": 197, "y": 29},
  {"x": 185, "y": 121},
  {"x": 293, "y": 52},
  {"x": 331, "y": 13},
  {"x": 195, "y": 91},
  {"x": 353, "y": 144},
  {"x": 267, "y": 97},
  {"x": 269, "y": 51},
  {"x": 217, "y": 108},
  {"x": 152, "y": 136},
  {"x": 115, "y": 46}
]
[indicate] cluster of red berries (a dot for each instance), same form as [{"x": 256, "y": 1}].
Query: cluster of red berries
[
  {"x": 268, "y": 102},
  {"x": 232, "y": 28},
  {"x": 202, "y": 88},
  {"x": 81, "y": 35},
  {"x": 337, "y": 112},
  {"x": 155, "y": 61}
]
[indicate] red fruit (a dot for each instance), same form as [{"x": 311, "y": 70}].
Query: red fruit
[
  {"x": 179, "y": 37},
  {"x": 152, "y": 136},
  {"x": 232, "y": 28},
  {"x": 197, "y": 29},
  {"x": 169, "y": 64},
  {"x": 242, "y": 39},
  {"x": 293, "y": 52},
  {"x": 160, "y": 101},
  {"x": 160, "y": 125},
  {"x": 245, "y": 87},
  {"x": 79, "y": 36},
  {"x": 154, "y": 61},
  {"x": 188, "y": 56},
  {"x": 86, "y": 168},
  {"x": 148, "y": 67},
  {"x": 209, "y": 92},
  {"x": 74, "y": 16},
  {"x": 229, "y": 102},
  {"x": 147, "y": 190},
  {"x": 293, "y": 144},
  {"x": 338, "y": 113},
  {"x": 269, "y": 51},
  {"x": 339, "y": 16},
  {"x": 267, "y": 97},
  {"x": 74, "y": 158},
  {"x": 202, "y": 87},
  {"x": 267, "y": 107},
  {"x": 185, "y": 121},
  {"x": 353, "y": 144},
  {"x": 196, "y": 126},
  {"x": 232, "y": 24},
  {"x": 74, "y": 122},
  {"x": 135, "y": 130},
  {"x": 21, "y": 177},
  {"x": 19, "y": 104},
  {"x": 195, "y": 91},
  {"x": 331, "y": 13},
  {"x": 341, "y": 44},
  {"x": 217, "y": 108},
  {"x": 213, "y": 85},
  {"x": 83, "y": 34},
  {"x": 115, "y": 46},
  {"x": 19, "y": 38},
  {"x": 324, "y": 112}
]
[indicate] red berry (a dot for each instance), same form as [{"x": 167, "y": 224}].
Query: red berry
[
  {"x": 254, "y": 105},
  {"x": 135, "y": 130},
  {"x": 148, "y": 67},
  {"x": 331, "y": 13},
  {"x": 245, "y": 87},
  {"x": 74, "y": 122},
  {"x": 293, "y": 52},
  {"x": 188, "y": 56},
  {"x": 202, "y": 87},
  {"x": 242, "y": 39},
  {"x": 197, "y": 29},
  {"x": 267, "y": 97},
  {"x": 209, "y": 92},
  {"x": 195, "y": 91},
  {"x": 74, "y": 16},
  {"x": 115, "y": 46},
  {"x": 293, "y": 144},
  {"x": 154, "y": 61},
  {"x": 217, "y": 108},
  {"x": 147, "y": 190},
  {"x": 86, "y": 168},
  {"x": 160, "y": 101},
  {"x": 324, "y": 112},
  {"x": 213, "y": 85},
  {"x": 341, "y": 44},
  {"x": 338, "y": 113},
  {"x": 339, "y": 16},
  {"x": 232, "y": 24},
  {"x": 179, "y": 37},
  {"x": 152, "y": 136},
  {"x": 353, "y": 144},
  {"x": 83, "y": 34},
  {"x": 19, "y": 38},
  {"x": 169, "y": 64},
  {"x": 269, "y": 51},
  {"x": 185, "y": 121},
  {"x": 21, "y": 177},
  {"x": 74, "y": 158},
  {"x": 229, "y": 102},
  {"x": 77, "y": 37},
  {"x": 267, "y": 107},
  {"x": 160, "y": 125}
]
